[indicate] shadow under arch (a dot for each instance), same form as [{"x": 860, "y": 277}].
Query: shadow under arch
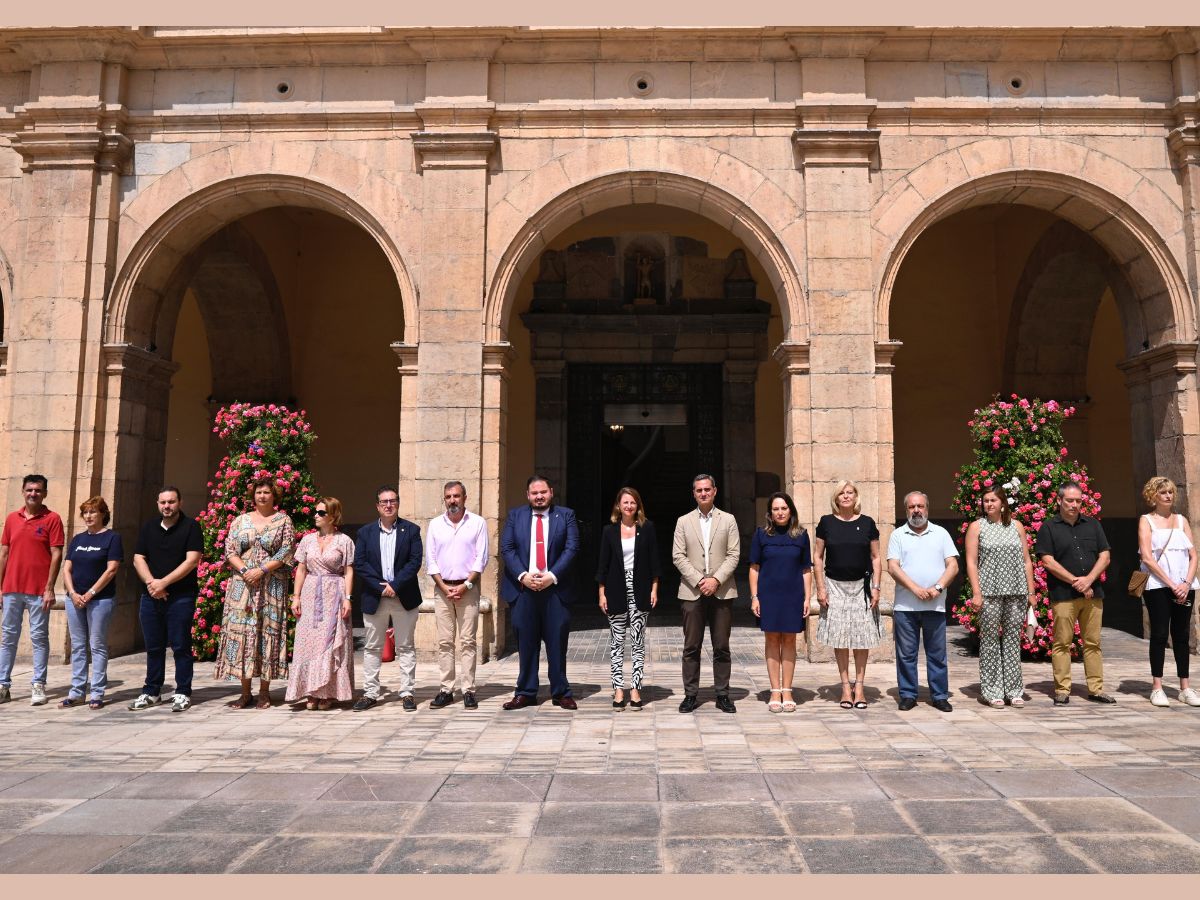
[
  {"x": 137, "y": 295},
  {"x": 645, "y": 188},
  {"x": 1162, "y": 309}
]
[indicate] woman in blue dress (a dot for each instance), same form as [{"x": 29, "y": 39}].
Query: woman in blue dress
[{"x": 780, "y": 585}]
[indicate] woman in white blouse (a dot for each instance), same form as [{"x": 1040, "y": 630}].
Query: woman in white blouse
[{"x": 1169, "y": 558}]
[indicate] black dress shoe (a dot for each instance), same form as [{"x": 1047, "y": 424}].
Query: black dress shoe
[
  {"x": 689, "y": 704},
  {"x": 1101, "y": 698},
  {"x": 519, "y": 701},
  {"x": 906, "y": 703},
  {"x": 409, "y": 703},
  {"x": 942, "y": 705},
  {"x": 1062, "y": 699},
  {"x": 469, "y": 700},
  {"x": 566, "y": 702},
  {"x": 364, "y": 702},
  {"x": 444, "y": 698},
  {"x": 724, "y": 704}
]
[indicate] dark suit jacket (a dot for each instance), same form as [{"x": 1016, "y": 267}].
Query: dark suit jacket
[
  {"x": 562, "y": 544},
  {"x": 611, "y": 569},
  {"x": 368, "y": 568}
]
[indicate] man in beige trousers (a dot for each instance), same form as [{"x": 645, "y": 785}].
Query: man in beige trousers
[
  {"x": 706, "y": 551},
  {"x": 457, "y": 551}
]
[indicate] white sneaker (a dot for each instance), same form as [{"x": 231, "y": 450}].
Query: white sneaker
[
  {"x": 5, "y": 695},
  {"x": 145, "y": 701},
  {"x": 1190, "y": 697},
  {"x": 38, "y": 697},
  {"x": 180, "y": 702},
  {"x": 1159, "y": 698}
]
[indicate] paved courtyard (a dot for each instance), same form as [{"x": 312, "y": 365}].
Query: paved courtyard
[{"x": 1086, "y": 788}]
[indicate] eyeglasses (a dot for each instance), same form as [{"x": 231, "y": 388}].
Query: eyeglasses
[
  {"x": 321, "y": 512},
  {"x": 387, "y": 502}
]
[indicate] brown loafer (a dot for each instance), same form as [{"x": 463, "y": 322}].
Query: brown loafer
[
  {"x": 519, "y": 701},
  {"x": 566, "y": 702}
]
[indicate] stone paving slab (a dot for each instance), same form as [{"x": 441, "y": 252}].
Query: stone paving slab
[{"x": 1043, "y": 789}]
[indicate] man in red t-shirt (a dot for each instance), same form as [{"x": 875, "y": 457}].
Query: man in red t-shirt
[{"x": 31, "y": 550}]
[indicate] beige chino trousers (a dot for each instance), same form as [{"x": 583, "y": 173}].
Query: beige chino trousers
[{"x": 457, "y": 619}]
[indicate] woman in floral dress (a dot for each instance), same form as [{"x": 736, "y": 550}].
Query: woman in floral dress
[
  {"x": 253, "y": 644},
  {"x": 323, "y": 657}
]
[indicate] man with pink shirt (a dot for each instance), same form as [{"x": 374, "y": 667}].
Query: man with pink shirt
[
  {"x": 457, "y": 552},
  {"x": 31, "y": 550}
]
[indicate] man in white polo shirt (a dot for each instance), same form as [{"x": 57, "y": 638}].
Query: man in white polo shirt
[{"x": 923, "y": 561}]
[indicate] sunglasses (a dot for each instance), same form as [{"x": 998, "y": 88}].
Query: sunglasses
[{"x": 321, "y": 512}]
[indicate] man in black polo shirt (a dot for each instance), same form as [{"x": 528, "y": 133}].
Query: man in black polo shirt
[
  {"x": 1074, "y": 551},
  {"x": 168, "y": 550}
]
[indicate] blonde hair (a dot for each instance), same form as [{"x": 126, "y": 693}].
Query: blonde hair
[
  {"x": 1153, "y": 486},
  {"x": 841, "y": 486},
  {"x": 639, "y": 516}
]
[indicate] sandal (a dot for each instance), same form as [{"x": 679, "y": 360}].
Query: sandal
[
  {"x": 775, "y": 705},
  {"x": 96, "y": 704},
  {"x": 860, "y": 704},
  {"x": 1018, "y": 702},
  {"x": 996, "y": 704},
  {"x": 789, "y": 705},
  {"x": 324, "y": 704},
  {"x": 68, "y": 702},
  {"x": 245, "y": 701},
  {"x": 264, "y": 702},
  {"x": 311, "y": 704}
]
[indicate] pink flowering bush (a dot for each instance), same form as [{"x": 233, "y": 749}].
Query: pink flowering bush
[
  {"x": 1020, "y": 446},
  {"x": 264, "y": 440}
]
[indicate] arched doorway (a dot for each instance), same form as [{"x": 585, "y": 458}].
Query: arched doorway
[
  {"x": 282, "y": 292},
  {"x": 1037, "y": 293},
  {"x": 642, "y": 333}
]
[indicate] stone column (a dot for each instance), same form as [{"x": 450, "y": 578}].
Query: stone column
[
  {"x": 70, "y": 141},
  {"x": 836, "y": 147},
  {"x": 445, "y": 418},
  {"x": 138, "y": 384},
  {"x": 497, "y": 358},
  {"x": 1166, "y": 424},
  {"x": 797, "y": 430}
]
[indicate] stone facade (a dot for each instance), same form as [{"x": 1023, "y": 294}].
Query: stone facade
[{"x": 130, "y": 156}]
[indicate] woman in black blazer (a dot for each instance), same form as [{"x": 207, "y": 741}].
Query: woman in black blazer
[{"x": 628, "y": 577}]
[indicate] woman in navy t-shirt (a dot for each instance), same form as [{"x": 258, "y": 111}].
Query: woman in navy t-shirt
[{"x": 89, "y": 572}]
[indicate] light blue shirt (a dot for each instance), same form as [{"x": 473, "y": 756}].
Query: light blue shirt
[
  {"x": 923, "y": 558},
  {"x": 387, "y": 551}
]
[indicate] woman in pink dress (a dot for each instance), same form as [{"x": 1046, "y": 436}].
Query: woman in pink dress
[{"x": 323, "y": 659}]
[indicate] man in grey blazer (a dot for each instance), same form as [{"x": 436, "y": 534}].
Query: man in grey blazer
[{"x": 705, "y": 551}]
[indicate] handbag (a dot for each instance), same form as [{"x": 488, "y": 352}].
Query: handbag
[
  {"x": 1031, "y": 624},
  {"x": 1138, "y": 578},
  {"x": 389, "y": 646}
]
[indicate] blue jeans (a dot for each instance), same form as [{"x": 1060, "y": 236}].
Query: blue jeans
[
  {"x": 39, "y": 635},
  {"x": 89, "y": 633},
  {"x": 167, "y": 622},
  {"x": 910, "y": 628}
]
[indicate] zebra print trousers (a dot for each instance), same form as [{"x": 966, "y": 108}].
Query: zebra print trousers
[{"x": 632, "y": 624}]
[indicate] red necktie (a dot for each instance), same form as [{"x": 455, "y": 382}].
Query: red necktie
[{"x": 540, "y": 554}]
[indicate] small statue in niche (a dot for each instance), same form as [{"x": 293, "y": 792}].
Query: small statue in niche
[{"x": 645, "y": 288}]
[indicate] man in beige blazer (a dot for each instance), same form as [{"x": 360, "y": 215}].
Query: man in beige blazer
[{"x": 706, "y": 551}]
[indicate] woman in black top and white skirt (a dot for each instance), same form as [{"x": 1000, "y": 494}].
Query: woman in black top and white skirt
[
  {"x": 628, "y": 577},
  {"x": 848, "y": 569}
]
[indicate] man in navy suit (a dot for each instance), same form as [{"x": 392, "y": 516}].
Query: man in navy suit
[
  {"x": 538, "y": 545},
  {"x": 387, "y": 555}
]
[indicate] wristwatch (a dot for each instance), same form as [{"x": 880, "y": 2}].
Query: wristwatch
[
  {"x": 469, "y": 585},
  {"x": 937, "y": 587}
]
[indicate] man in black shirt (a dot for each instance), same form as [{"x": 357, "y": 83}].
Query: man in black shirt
[
  {"x": 168, "y": 551},
  {"x": 1074, "y": 551}
]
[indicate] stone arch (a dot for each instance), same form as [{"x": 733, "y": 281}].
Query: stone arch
[
  {"x": 140, "y": 288},
  {"x": 1064, "y": 280},
  {"x": 567, "y": 205},
  {"x": 1129, "y": 216}
]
